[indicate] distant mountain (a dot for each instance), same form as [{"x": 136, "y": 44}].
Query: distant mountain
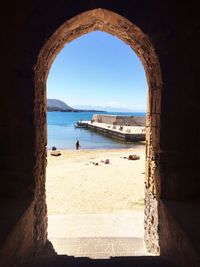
[
  {"x": 58, "y": 105},
  {"x": 106, "y": 108}
]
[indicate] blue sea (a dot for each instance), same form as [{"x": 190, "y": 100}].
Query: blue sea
[{"x": 63, "y": 134}]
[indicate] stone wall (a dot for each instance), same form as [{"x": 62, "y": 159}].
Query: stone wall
[
  {"x": 19, "y": 242},
  {"x": 120, "y": 120},
  {"x": 109, "y": 119}
]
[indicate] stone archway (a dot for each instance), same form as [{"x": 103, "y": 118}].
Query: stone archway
[{"x": 110, "y": 22}]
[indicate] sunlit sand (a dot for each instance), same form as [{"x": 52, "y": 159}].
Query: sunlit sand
[{"x": 76, "y": 184}]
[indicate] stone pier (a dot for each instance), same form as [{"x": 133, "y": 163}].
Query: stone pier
[{"x": 123, "y": 133}]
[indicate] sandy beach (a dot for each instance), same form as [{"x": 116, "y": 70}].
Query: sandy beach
[{"x": 79, "y": 181}]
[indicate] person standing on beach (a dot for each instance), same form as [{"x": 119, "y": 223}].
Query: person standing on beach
[{"x": 77, "y": 145}]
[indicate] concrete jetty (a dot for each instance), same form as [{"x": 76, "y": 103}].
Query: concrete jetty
[{"x": 131, "y": 128}]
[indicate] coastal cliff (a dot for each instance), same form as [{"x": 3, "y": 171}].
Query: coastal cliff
[{"x": 58, "y": 105}]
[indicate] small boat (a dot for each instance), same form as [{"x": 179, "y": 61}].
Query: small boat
[{"x": 81, "y": 124}]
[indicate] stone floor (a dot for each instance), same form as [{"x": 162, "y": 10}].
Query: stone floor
[
  {"x": 98, "y": 236},
  {"x": 99, "y": 248},
  {"x": 97, "y": 240}
]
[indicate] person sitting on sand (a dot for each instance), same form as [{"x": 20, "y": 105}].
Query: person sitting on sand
[{"x": 77, "y": 144}]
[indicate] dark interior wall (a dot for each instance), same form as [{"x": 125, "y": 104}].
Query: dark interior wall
[
  {"x": 178, "y": 46},
  {"x": 173, "y": 28}
]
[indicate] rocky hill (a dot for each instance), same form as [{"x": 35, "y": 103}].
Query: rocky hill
[{"x": 58, "y": 105}]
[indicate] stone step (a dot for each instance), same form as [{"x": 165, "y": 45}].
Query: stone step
[{"x": 100, "y": 248}]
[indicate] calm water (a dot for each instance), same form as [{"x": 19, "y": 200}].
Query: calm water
[{"x": 63, "y": 134}]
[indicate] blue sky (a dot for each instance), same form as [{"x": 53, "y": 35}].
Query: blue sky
[{"x": 98, "y": 69}]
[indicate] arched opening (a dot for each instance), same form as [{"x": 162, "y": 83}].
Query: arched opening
[
  {"x": 114, "y": 24},
  {"x": 99, "y": 210}
]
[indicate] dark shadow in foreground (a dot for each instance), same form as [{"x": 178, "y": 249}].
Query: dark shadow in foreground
[{"x": 51, "y": 259}]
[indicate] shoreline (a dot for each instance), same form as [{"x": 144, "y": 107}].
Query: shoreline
[{"x": 133, "y": 145}]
